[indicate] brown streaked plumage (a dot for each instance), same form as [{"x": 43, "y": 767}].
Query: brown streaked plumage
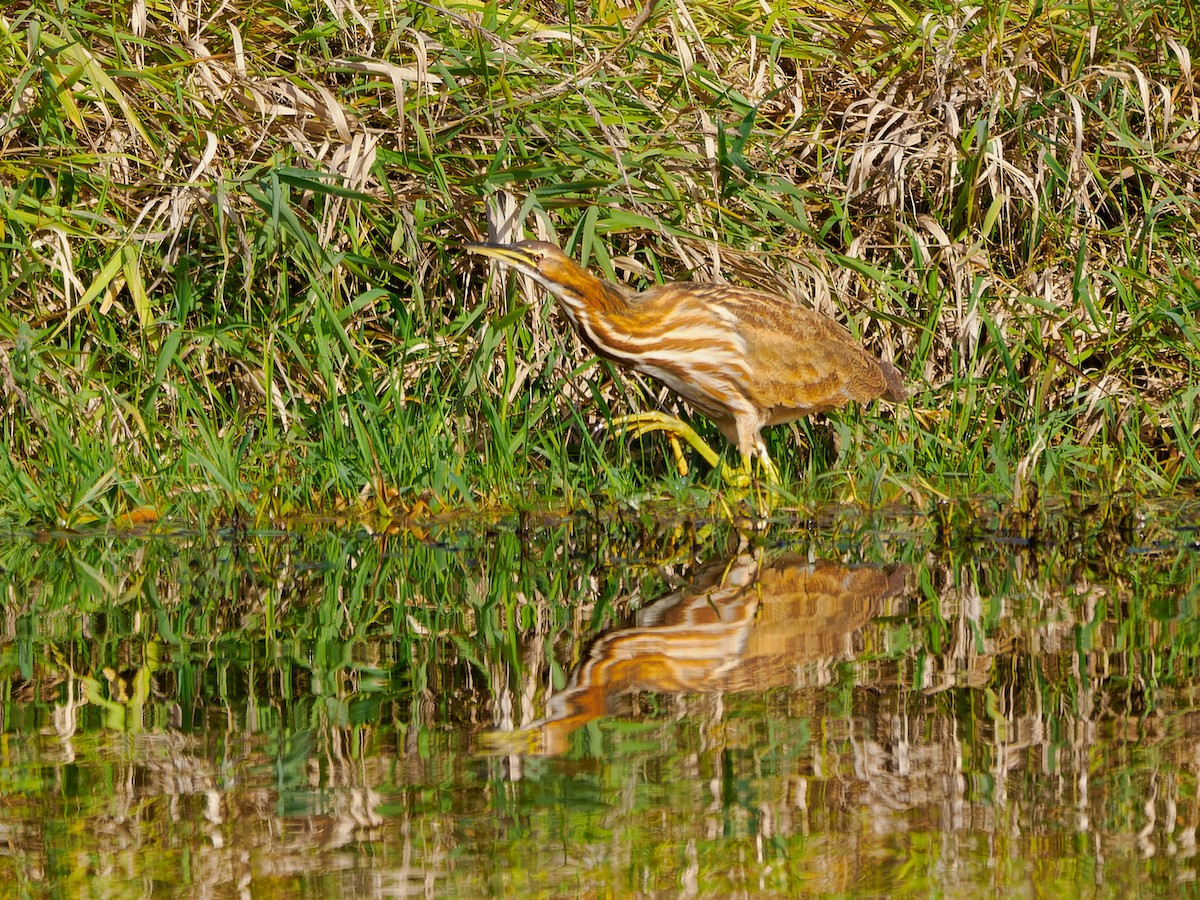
[
  {"x": 748, "y": 623},
  {"x": 745, "y": 358}
]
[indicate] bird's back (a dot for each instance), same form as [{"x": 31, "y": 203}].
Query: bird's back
[{"x": 797, "y": 361}]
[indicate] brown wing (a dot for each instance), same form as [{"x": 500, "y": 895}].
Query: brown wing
[{"x": 804, "y": 362}]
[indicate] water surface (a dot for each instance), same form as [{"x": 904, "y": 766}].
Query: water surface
[{"x": 573, "y": 708}]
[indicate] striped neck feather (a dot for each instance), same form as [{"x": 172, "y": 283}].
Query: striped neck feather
[{"x": 582, "y": 292}]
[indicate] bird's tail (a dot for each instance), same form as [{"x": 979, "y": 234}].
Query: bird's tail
[{"x": 895, "y": 384}]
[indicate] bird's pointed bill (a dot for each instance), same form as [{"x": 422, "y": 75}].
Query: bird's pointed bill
[{"x": 507, "y": 253}]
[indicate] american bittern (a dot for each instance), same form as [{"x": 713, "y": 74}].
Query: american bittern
[{"x": 744, "y": 358}]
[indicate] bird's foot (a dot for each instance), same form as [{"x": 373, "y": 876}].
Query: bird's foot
[{"x": 764, "y": 486}]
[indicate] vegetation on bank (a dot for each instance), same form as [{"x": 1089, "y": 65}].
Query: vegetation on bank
[{"x": 230, "y": 280}]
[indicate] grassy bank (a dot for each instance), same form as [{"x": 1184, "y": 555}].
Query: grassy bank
[{"x": 230, "y": 282}]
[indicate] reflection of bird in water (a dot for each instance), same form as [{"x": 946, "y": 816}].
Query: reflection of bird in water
[
  {"x": 740, "y": 625},
  {"x": 744, "y": 358}
]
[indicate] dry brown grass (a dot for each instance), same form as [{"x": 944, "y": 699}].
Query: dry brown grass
[{"x": 1001, "y": 202}]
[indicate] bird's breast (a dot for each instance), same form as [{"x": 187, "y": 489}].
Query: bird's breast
[{"x": 688, "y": 343}]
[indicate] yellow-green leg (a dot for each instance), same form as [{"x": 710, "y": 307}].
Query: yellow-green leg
[
  {"x": 770, "y": 473},
  {"x": 640, "y": 424},
  {"x": 770, "y": 479}
]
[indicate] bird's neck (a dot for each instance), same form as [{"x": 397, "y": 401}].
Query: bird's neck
[{"x": 582, "y": 293}]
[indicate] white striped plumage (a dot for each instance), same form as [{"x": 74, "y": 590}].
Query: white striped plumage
[{"x": 744, "y": 358}]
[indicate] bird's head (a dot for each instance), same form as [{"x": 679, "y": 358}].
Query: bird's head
[{"x": 544, "y": 263}]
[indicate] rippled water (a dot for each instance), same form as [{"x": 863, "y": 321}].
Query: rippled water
[{"x": 577, "y": 709}]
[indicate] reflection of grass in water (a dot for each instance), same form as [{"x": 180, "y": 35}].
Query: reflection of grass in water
[
  {"x": 288, "y": 696},
  {"x": 198, "y": 317}
]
